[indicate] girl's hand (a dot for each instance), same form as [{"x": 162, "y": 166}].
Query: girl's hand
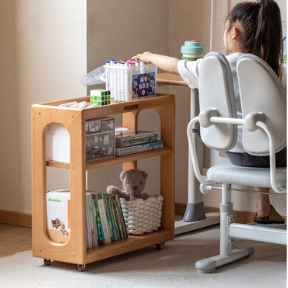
[
  {"x": 166, "y": 63},
  {"x": 145, "y": 57}
]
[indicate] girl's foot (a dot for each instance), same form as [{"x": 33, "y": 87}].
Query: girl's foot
[{"x": 273, "y": 217}]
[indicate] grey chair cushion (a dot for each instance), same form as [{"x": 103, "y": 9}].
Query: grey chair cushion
[{"x": 229, "y": 173}]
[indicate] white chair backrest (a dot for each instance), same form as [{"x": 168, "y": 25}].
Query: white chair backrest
[
  {"x": 261, "y": 91},
  {"x": 216, "y": 91}
]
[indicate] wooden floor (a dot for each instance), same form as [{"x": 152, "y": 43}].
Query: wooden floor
[{"x": 14, "y": 239}]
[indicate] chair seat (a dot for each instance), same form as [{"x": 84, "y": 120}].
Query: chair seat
[{"x": 247, "y": 176}]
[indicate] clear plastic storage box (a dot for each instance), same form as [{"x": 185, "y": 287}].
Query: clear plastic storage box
[
  {"x": 100, "y": 140},
  {"x": 126, "y": 81}
]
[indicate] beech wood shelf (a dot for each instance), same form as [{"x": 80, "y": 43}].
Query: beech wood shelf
[{"x": 74, "y": 251}]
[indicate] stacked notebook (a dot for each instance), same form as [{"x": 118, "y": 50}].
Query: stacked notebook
[{"x": 134, "y": 141}]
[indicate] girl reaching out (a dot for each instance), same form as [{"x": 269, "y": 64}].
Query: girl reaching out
[{"x": 251, "y": 27}]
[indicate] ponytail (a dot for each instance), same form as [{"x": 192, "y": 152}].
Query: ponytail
[
  {"x": 268, "y": 38},
  {"x": 261, "y": 22}
]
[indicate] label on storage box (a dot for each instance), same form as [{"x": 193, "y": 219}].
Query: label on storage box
[{"x": 143, "y": 85}]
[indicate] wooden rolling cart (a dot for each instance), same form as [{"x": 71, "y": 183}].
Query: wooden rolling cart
[{"x": 74, "y": 251}]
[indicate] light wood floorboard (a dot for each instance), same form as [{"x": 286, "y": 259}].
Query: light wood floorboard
[{"x": 14, "y": 239}]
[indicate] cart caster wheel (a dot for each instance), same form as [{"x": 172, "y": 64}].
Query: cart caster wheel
[
  {"x": 81, "y": 268},
  {"x": 160, "y": 246},
  {"x": 47, "y": 262}
]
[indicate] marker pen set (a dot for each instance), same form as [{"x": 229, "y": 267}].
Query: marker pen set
[{"x": 130, "y": 79}]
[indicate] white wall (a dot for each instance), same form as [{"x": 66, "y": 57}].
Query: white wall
[
  {"x": 120, "y": 30},
  {"x": 43, "y": 54}
]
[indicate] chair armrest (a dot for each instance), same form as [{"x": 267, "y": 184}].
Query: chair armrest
[
  {"x": 272, "y": 158},
  {"x": 252, "y": 122},
  {"x": 192, "y": 148}
]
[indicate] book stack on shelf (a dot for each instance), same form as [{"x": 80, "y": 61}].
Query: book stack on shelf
[
  {"x": 134, "y": 141},
  {"x": 105, "y": 222}
]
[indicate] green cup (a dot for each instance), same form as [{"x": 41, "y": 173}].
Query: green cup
[{"x": 192, "y": 50}]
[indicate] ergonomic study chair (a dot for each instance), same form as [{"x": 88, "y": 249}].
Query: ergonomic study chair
[{"x": 263, "y": 101}]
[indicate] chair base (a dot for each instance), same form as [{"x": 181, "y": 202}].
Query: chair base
[
  {"x": 212, "y": 218},
  {"x": 194, "y": 212},
  {"x": 209, "y": 265}
]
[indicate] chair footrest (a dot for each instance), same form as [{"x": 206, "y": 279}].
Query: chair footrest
[{"x": 262, "y": 233}]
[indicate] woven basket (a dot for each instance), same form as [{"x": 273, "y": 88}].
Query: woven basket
[{"x": 142, "y": 216}]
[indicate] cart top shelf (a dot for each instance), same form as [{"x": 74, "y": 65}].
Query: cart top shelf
[{"x": 114, "y": 108}]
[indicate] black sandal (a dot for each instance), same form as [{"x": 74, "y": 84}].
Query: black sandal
[{"x": 273, "y": 218}]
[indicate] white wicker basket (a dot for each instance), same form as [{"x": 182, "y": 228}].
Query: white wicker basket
[{"x": 142, "y": 216}]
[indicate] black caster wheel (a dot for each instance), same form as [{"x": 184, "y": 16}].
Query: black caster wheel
[
  {"x": 160, "y": 246},
  {"x": 47, "y": 262},
  {"x": 81, "y": 268}
]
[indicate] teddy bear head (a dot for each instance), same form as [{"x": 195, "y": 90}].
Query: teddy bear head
[{"x": 134, "y": 181}]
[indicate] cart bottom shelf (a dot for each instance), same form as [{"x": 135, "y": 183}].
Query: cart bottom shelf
[{"x": 132, "y": 243}]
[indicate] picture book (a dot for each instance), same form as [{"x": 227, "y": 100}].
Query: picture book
[
  {"x": 98, "y": 221},
  {"x": 110, "y": 224},
  {"x": 139, "y": 148},
  {"x": 89, "y": 223},
  {"x": 93, "y": 217},
  {"x": 58, "y": 216},
  {"x": 113, "y": 218},
  {"x": 104, "y": 218},
  {"x": 127, "y": 137},
  {"x": 108, "y": 216},
  {"x": 122, "y": 219},
  {"x": 107, "y": 238},
  {"x": 119, "y": 220}
]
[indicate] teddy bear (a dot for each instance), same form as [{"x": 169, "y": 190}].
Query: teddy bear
[{"x": 134, "y": 181}]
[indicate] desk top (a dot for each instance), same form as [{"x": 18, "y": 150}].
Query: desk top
[{"x": 170, "y": 79}]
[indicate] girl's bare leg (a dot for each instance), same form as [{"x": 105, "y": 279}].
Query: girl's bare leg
[{"x": 262, "y": 202}]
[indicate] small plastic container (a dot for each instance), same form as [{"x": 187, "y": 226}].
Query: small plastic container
[
  {"x": 100, "y": 140},
  {"x": 192, "y": 50},
  {"x": 100, "y": 145}
]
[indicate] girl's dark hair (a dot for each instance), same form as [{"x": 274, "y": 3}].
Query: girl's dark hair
[{"x": 261, "y": 22}]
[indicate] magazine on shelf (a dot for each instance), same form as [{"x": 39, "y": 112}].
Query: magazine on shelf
[
  {"x": 139, "y": 148},
  {"x": 127, "y": 137}
]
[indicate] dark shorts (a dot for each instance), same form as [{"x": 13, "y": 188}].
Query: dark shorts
[{"x": 247, "y": 160}]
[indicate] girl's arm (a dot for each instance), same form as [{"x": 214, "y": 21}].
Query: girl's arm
[{"x": 166, "y": 63}]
